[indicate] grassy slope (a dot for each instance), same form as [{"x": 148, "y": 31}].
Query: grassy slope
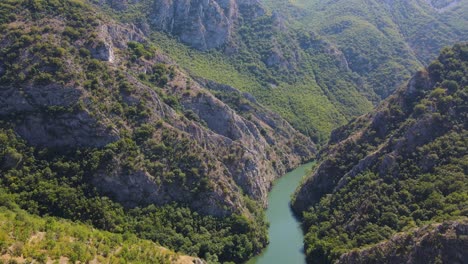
[{"x": 25, "y": 238}]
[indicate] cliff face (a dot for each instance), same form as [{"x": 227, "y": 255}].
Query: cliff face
[
  {"x": 260, "y": 141},
  {"x": 59, "y": 130},
  {"x": 391, "y": 169},
  {"x": 167, "y": 137},
  {"x": 437, "y": 243},
  {"x": 202, "y": 24}
]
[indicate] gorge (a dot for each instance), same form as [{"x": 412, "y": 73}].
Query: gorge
[{"x": 152, "y": 131}]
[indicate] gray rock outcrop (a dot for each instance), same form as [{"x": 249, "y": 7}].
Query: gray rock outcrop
[
  {"x": 46, "y": 116},
  {"x": 438, "y": 243},
  {"x": 202, "y": 24}
]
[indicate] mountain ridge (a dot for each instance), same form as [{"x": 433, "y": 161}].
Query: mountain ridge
[{"x": 400, "y": 166}]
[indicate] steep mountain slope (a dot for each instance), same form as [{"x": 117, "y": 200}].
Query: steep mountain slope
[
  {"x": 90, "y": 108},
  {"x": 293, "y": 72},
  {"x": 201, "y": 24},
  {"x": 385, "y": 42},
  {"x": 26, "y": 238},
  {"x": 436, "y": 243},
  {"x": 402, "y": 165},
  {"x": 316, "y": 63}
]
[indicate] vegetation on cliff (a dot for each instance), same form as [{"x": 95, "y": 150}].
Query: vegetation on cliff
[
  {"x": 293, "y": 72},
  {"x": 97, "y": 125},
  {"x": 401, "y": 166},
  {"x": 107, "y": 119},
  {"x": 45, "y": 183},
  {"x": 317, "y": 63}
]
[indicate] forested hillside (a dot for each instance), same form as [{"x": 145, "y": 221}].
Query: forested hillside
[
  {"x": 98, "y": 125},
  {"x": 398, "y": 167},
  {"x": 317, "y": 63},
  {"x": 445, "y": 242},
  {"x": 168, "y": 121},
  {"x": 384, "y": 42}
]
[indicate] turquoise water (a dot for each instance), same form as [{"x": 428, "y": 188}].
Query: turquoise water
[{"x": 286, "y": 238}]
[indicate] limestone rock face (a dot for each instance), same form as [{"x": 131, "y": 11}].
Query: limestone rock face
[
  {"x": 111, "y": 36},
  {"x": 256, "y": 164},
  {"x": 206, "y": 145},
  {"x": 202, "y": 24},
  {"x": 103, "y": 51},
  {"x": 247, "y": 153},
  {"x": 442, "y": 5},
  {"x": 45, "y": 117},
  {"x": 65, "y": 130}
]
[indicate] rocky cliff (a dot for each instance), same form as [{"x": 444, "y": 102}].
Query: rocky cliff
[
  {"x": 101, "y": 85},
  {"x": 437, "y": 243},
  {"x": 202, "y": 24}
]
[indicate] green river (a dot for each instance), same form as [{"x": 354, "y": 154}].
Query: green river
[{"x": 286, "y": 238}]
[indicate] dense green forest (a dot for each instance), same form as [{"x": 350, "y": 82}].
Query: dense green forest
[{"x": 401, "y": 166}]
